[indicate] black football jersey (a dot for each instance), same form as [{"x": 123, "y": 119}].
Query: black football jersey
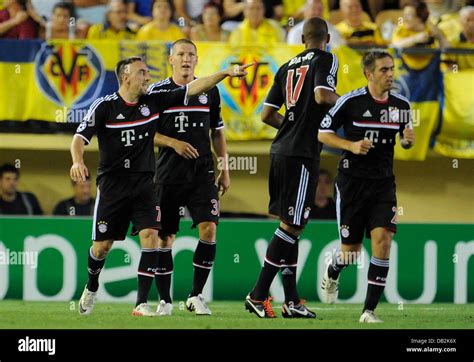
[
  {"x": 362, "y": 116},
  {"x": 125, "y": 130},
  {"x": 190, "y": 123},
  {"x": 294, "y": 86}
]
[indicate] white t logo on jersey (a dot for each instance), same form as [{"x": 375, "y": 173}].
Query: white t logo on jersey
[
  {"x": 128, "y": 136},
  {"x": 181, "y": 121}
]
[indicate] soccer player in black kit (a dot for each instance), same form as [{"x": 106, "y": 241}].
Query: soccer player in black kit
[
  {"x": 365, "y": 185},
  {"x": 185, "y": 175},
  {"x": 306, "y": 85},
  {"x": 125, "y": 124}
]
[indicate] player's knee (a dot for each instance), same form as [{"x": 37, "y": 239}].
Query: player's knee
[
  {"x": 292, "y": 229},
  {"x": 149, "y": 237},
  {"x": 207, "y": 231},
  {"x": 166, "y": 241},
  {"x": 101, "y": 249},
  {"x": 383, "y": 244}
]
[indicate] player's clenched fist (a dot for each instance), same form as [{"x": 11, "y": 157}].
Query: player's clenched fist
[
  {"x": 361, "y": 147},
  {"x": 408, "y": 138},
  {"x": 79, "y": 172}
]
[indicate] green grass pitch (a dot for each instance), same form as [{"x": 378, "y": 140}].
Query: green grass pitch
[{"x": 231, "y": 315}]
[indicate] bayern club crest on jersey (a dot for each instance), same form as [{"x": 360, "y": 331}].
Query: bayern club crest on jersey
[
  {"x": 202, "y": 99},
  {"x": 144, "y": 110},
  {"x": 394, "y": 114}
]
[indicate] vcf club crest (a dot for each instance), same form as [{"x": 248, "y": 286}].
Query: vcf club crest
[
  {"x": 245, "y": 96},
  {"x": 71, "y": 75}
]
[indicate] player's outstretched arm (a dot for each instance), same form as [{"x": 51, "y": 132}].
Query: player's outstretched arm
[
  {"x": 200, "y": 85},
  {"x": 182, "y": 148},
  {"x": 78, "y": 171},
  {"x": 331, "y": 139}
]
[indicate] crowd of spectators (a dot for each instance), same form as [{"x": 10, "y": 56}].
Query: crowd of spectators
[{"x": 397, "y": 23}]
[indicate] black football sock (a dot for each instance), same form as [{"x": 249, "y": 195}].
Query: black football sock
[
  {"x": 337, "y": 265},
  {"x": 94, "y": 267},
  {"x": 278, "y": 251},
  {"x": 203, "y": 261},
  {"x": 288, "y": 276},
  {"x": 146, "y": 273},
  {"x": 377, "y": 276},
  {"x": 163, "y": 273}
]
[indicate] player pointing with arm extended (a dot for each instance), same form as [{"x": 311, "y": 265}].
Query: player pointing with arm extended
[
  {"x": 125, "y": 126},
  {"x": 306, "y": 85},
  {"x": 365, "y": 185}
]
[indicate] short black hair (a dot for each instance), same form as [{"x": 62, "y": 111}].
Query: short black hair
[
  {"x": 315, "y": 29},
  {"x": 8, "y": 167},
  {"x": 183, "y": 41},
  {"x": 65, "y": 5},
  {"x": 369, "y": 58},
  {"x": 121, "y": 66}
]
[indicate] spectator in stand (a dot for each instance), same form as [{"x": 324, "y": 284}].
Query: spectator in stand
[
  {"x": 210, "y": 29},
  {"x": 81, "y": 204},
  {"x": 324, "y": 207},
  {"x": 256, "y": 29},
  {"x": 115, "y": 26},
  {"x": 59, "y": 25},
  {"x": 354, "y": 29},
  {"x": 91, "y": 11},
  {"x": 463, "y": 39},
  {"x": 161, "y": 27},
  {"x": 189, "y": 10},
  {"x": 15, "y": 23},
  {"x": 139, "y": 11},
  {"x": 234, "y": 12},
  {"x": 41, "y": 10},
  {"x": 13, "y": 202},
  {"x": 314, "y": 8},
  {"x": 417, "y": 31}
]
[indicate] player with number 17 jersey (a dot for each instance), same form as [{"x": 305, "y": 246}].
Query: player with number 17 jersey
[{"x": 295, "y": 149}]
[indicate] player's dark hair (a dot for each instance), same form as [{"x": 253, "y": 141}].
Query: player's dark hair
[
  {"x": 182, "y": 41},
  {"x": 369, "y": 58},
  {"x": 315, "y": 29},
  {"x": 65, "y": 5},
  {"x": 421, "y": 9},
  {"x": 122, "y": 66},
  {"x": 8, "y": 167}
]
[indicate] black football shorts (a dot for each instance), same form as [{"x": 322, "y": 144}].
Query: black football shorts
[
  {"x": 201, "y": 199},
  {"x": 292, "y": 185},
  {"x": 363, "y": 205},
  {"x": 122, "y": 199}
]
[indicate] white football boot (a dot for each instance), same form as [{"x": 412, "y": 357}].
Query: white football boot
[
  {"x": 198, "y": 304},
  {"x": 86, "y": 303},
  {"x": 329, "y": 288},
  {"x": 144, "y": 310},
  {"x": 369, "y": 317},
  {"x": 164, "y": 308}
]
